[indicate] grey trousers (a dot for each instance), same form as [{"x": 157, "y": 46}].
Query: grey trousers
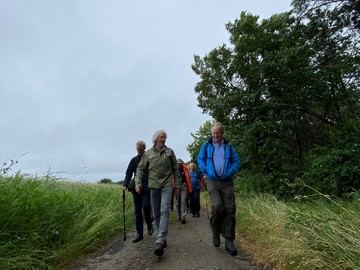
[
  {"x": 223, "y": 208},
  {"x": 160, "y": 202},
  {"x": 181, "y": 202}
]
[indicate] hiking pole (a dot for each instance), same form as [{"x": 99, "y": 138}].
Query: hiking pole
[
  {"x": 123, "y": 197},
  {"x": 206, "y": 203}
]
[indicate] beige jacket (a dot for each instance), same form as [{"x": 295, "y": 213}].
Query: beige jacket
[{"x": 162, "y": 166}]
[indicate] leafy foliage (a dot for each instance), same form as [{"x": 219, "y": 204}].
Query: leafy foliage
[
  {"x": 345, "y": 13},
  {"x": 200, "y": 136},
  {"x": 334, "y": 169},
  {"x": 282, "y": 88}
]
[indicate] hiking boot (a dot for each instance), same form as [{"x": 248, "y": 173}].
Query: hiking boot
[
  {"x": 216, "y": 240},
  {"x": 230, "y": 248},
  {"x": 159, "y": 249},
  {"x": 150, "y": 230},
  {"x": 137, "y": 238}
]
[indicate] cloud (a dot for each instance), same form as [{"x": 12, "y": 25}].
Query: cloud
[{"x": 81, "y": 82}]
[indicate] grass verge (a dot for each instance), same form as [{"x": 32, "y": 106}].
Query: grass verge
[
  {"x": 319, "y": 234},
  {"x": 45, "y": 223}
]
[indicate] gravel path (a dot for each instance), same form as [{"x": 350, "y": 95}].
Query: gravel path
[{"x": 189, "y": 247}]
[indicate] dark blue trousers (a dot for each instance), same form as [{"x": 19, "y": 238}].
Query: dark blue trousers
[{"x": 142, "y": 204}]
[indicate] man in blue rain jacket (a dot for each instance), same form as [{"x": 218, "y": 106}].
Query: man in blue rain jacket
[{"x": 219, "y": 161}]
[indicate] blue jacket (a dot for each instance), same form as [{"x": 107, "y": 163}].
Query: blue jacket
[{"x": 205, "y": 161}]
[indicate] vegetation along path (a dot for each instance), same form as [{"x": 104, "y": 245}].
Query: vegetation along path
[{"x": 189, "y": 247}]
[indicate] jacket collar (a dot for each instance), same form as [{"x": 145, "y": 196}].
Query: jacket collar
[
  {"x": 162, "y": 149},
  {"x": 224, "y": 140}
]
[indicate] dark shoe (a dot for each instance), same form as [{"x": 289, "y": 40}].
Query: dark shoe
[
  {"x": 229, "y": 247},
  {"x": 216, "y": 240},
  {"x": 159, "y": 250},
  {"x": 138, "y": 238},
  {"x": 193, "y": 215},
  {"x": 150, "y": 230},
  {"x": 183, "y": 221}
]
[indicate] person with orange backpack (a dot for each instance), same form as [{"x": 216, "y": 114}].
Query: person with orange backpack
[{"x": 186, "y": 188}]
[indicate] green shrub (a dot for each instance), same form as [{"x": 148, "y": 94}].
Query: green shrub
[{"x": 334, "y": 169}]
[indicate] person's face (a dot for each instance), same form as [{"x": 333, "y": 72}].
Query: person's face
[
  {"x": 161, "y": 141},
  {"x": 217, "y": 134},
  {"x": 140, "y": 150},
  {"x": 192, "y": 166}
]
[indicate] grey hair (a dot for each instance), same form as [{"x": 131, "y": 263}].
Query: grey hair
[
  {"x": 193, "y": 164},
  {"x": 141, "y": 143},
  {"x": 157, "y": 134},
  {"x": 217, "y": 124}
]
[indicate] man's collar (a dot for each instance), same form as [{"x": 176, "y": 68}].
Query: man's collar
[
  {"x": 161, "y": 149},
  {"x": 222, "y": 141}
]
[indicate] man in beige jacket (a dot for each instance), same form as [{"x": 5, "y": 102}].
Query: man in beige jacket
[{"x": 160, "y": 162}]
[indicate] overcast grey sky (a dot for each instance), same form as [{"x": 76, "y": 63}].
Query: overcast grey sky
[{"x": 82, "y": 81}]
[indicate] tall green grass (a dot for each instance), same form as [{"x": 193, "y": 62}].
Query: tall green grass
[
  {"x": 318, "y": 234},
  {"x": 47, "y": 223}
]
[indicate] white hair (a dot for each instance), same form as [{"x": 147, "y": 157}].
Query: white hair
[{"x": 157, "y": 135}]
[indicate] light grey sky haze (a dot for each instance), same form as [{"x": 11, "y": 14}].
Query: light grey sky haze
[{"x": 82, "y": 81}]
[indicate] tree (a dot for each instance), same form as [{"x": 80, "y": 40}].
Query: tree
[
  {"x": 105, "y": 181},
  {"x": 200, "y": 136},
  {"x": 345, "y": 13},
  {"x": 249, "y": 87},
  {"x": 280, "y": 87}
]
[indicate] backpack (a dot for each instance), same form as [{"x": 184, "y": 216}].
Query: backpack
[
  {"x": 207, "y": 145},
  {"x": 182, "y": 174}
]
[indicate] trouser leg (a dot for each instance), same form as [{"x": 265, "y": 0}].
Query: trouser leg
[
  {"x": 192, "y": 202},
  {"x": 222, "y": 197},
  {"x": 138, "y": 213},
  {"x": 172, "y": 200},
  {"x": 196, "y": 199},
  {"x": 229, "y": 222},
  {"x": 146, "y": 205},
  {"x": 184, "y": 207},
  {"x": 161, "y": 200},
  {"x": 178, "y": 205}
]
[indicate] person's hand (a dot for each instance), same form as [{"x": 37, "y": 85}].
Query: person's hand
[
  {"x": 138, "y": 189},
  {"x": 124, "y": 188}
]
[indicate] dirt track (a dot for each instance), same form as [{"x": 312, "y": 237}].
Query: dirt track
[{"x": 189, "y": 247}]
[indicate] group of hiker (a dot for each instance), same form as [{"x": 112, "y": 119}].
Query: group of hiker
[{"x": 155, "y": 176}]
